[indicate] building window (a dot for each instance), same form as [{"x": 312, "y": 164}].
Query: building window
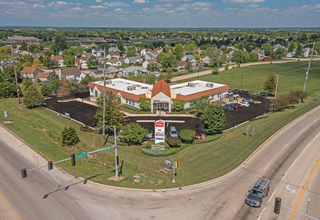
[
  {"x": 96, "y": 93},
  {"x": 130, "y": 102},
  {"x": 127, "y": 101}
]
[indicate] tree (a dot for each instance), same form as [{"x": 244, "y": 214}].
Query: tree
[
  {"x": 150, "y": 79},
  {"x": 197, "y": 56},
  {"x": 27, "y": 64},
  {"x": 120, "y": 45},
  {"x": 132, "y": 133},
  {"x": 7, "y": 89},
  {"x": 64, "y": 88},
  {"x": 173, "y": 141},
  {"x": 151, "y": 46},
  {"x": 281, "y": 102},
  {"x": 280, "y": 52},
  {"x": 69, "y": 60},
  {"x": 113, "y": 115},
  {"x": 215, "y": 71},
  {"x": 61, "y": 43},
  {"x": 86, "y": 80},
  {"x": 299, "y": 51},
  {"x": 169, "y": 74},
  {"x": 24, "y": 46},
  {"x": 153, "y": 67},
  {"x": 217, "y": 57},
  {"x": 46, "y": 89},
  {"x": 270, "y": 83},
  {"x": 160, "y": 57},
  {"x": 26, "y": 83},
  {"x": 93, "y": 62},
  {"x": 145, "y": 105},
  {"x": 253, "y": 57},
  {"x": 239, "y": 46},
  {"x": 5, "y": 52},
  {"x": 32, "y": 97},
  {"x": 55, "y": 82},
  {"x": 213, "y": 118},
  {"x": 37, "y": 63},
  {"x": 240, "y": 56},
  {"x": 177, "y": 105},
  {"x": 200, "y": 104},
  {"x": 69, "y": 136},
  {"x": 188, "y": 67},
  {"x": 131, "y": 52},
  {"x": 268, "y": 49},
  {"x": 187, "y": 135},
  {"x": 168, "y": 61},
  {"x": 32, "y": 47},
  {"x": 178, "y": 52},
  {"x": 190, "y": 47},
  {"x": 250, "y": 46},
  {"x": 48, "y": 62},
  {"x": 292, "y": 46}
]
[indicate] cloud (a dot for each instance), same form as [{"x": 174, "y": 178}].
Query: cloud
[
  {"x": 118, "y": 10},
  {"x": 37, "y": 6},
  {"x": 98, "y": 0},
  {"x": 140, "y": 1},
  {"x": 98, "y": 7},
  {"x": 196, "y": 6},
  {"x": 253, "y": 6},
  {"x": 244, "y": 1},
  {"x": 115, "y": 4},
  {"x": 58, "y": 4},
  {"x": 167, "y": 5},
  {"x": 174, "y": 0}
]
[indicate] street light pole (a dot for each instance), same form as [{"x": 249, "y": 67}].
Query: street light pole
[
  {"x": 241, "y": 80},
  {"x": 116, "y": 150},
  {"x": 15, "y": 72},
  {"x": 104, "y": 99}
]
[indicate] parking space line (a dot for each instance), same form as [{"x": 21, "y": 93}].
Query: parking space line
[
  {"x": 267, "y": 166},
  {"x": 10, "y": 206},
  {"x": 285, "y": 146}
]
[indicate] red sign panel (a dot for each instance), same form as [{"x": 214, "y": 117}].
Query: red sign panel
[{"x": 159, "y": 124}]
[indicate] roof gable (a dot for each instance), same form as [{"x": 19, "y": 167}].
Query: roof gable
[{"x": 161, "y": 86}]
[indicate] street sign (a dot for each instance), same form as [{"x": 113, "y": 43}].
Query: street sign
[
  {"x": 82, "y": 155},
  {"x": 5, "y": 114},
  {"x": 159, "y": 131},
  {"x": 108, "y": 148},
  {"x": 67, "y": 115},
  {"x": 247, "y": 129},
  {"x": 253, "y": 129}
]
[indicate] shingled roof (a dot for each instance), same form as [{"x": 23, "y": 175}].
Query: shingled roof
[{"x": 161, "y": 86}]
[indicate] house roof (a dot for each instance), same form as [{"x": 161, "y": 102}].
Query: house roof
[
  {"x": 43, "y": 74},
  {"x": 190, "y": 57},
  {"x": 56, "y": 58},
  {"x": 88, "y": 54},
  {"x": 115, "y": 53},
  {"x": 203, "y": 93},
  {"x": 161, "y": 86},
  {"x": 152, "y": 61},
  {"x": 29, "y": 69},
  {"x": 102, "y": 66},
  {"x": 77, "y": 60},
  {"x": 113, "y": 61},
  {"x": 158, "y": 48},
  {"x": 134, "y": 58},
  {"x": 68, "y": 72},
  {"x": 182, "y": 63},
  {"x": 150, "y": 55}
]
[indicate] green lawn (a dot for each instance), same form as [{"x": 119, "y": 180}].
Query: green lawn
[
  {"x": 197, "y": 163},
  {"x": 254, "y": 77}
]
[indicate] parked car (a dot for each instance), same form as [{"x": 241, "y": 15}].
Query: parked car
[
  {"x": 198, "y": 134},
  {"x": 262, "y": 94},
  {"x": 246, "y": 104},
  {"x": 235, "y": 105},
  {"x": 149, "y": 135},
  {"x": 243, "y": 92},
  {"x": 236, "y": 91},
  {"x": 228, "y": 108},
  {"x": 173, "y": 132},
  {"x": 230, "y": 90},
  {"x": 251, "y": 101}
]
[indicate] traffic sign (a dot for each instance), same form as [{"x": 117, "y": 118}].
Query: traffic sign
[
  {"x": 67, "y": 115},
  {"x": 5, "y": 114},
  {"x": 81, "y": 155},
  {"x": 108, "y": 148}
]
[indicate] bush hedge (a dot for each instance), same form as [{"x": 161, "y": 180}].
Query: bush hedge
[
  {"x": 130, "y": 107},
  {"x": 174, "y": 142}
]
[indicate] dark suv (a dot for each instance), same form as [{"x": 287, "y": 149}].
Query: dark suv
[{"x": 258, "y": 192}]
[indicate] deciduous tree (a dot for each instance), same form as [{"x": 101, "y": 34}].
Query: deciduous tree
[
  {"x": 177, "y": 105},
  {"x": 64, "y": 88},
  {"x": 69, "y": 136},
  {"x": 132, "y": 133},
  {"x": 32, "y": 97},
  {"x": 213, "y": 118},
  {"x": 270, "y": 83},
  {"x": 145, "y": 104},
  {"x": 37, "y": 63}
]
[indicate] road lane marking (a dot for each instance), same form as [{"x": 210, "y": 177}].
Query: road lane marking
[
  {"x": 316, "y": 120},
  {"x": 267, "y": 166},
  {"x": 291, "y": 190},
  {"x": 285, "y": 146},
  {"x": 303, "y": 190},
  {"x": 285, "y": 176},
  {"x": 10, "y": 206},
  {"x": 302, "y": 131}
]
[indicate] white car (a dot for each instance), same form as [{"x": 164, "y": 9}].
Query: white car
[{"x": 246, "y": 104}]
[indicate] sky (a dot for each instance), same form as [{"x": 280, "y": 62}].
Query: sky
[{"x": 161, "y": 13}]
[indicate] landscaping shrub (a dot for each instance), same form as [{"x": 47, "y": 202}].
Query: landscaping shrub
[
  {"x": 187, "y": 135},
  {"x": 130, "y": 107},
  {"x": 174, "y": 142},
  {"x": 69, "y": 136},
  {"x": 86, "y": 129}
]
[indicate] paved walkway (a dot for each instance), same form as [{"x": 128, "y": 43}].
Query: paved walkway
[{"x": 178, "y": 78}]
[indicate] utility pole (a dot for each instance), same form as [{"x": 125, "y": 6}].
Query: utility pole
[
  {"x": 104, "y": 99},
  {"x": 241, "y": 80},
  {"x": 307, "y": 73},
  {"x": 15, "y": 72},
  {"x": 275, "y": 96},
  {"x": 116, "y": 150}
]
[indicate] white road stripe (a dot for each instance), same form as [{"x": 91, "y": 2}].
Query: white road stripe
[
  {"x": 286, "y": 175},
  {"x": 285, "y": 146},
  {"x": 302, "y": 131},
  {"x": 316, "y": 120},
  {"x": 267, "y": 166}
]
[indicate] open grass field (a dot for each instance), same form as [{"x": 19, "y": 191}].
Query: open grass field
[
  {"x": 197, "y": 163},
  {"x": 254, "y": 77}
]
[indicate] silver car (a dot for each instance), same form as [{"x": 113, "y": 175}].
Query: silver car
[{"x": 173, "y": 132}]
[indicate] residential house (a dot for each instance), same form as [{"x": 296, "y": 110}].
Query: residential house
[
  {"x": 31, "y": 72},
  {"x": 71, "y": 74},
  {"x": 43, "y": 76},
  {"x": 259, "y": 52},
  {"x": 81, "y": 62},
  {"x": 23, "y": 52},
  {"x": 114, "y": 49},
  {"x": 97, "y": 52},
  {"x": 38, "y": 55},
  {"x": 182, "y": 64},
  {"x": 191, "y": 58},
  {"x": 114, "y": 62},
  {"x": 87, "y": 55},
  {"x": 206, "y": 59},
  {"x": 110, "y": 71},
  {"x": 305, "y": 52},
  {"x": 3, "y": 64},
  {"x": 59, "y": 59},
  {"x": 60, "y": 53},
  {"x": 158, "y": 49},
  {"x": 147, "y": 62},
  {"x": 144, "y": 51},
  {"x": 132, "y": 69},
  {"x": 150, "y": 56},
  {"x": 113, "y": 55},
  {"x": 133, "y": 60},
  {"x": 277, "y": 45}
]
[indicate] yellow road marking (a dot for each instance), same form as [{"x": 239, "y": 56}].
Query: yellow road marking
[
  {"x": 10, "y": 206},
  {"x": 303, "y": 190}
]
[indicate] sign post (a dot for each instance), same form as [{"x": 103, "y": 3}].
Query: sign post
[
  {"x": 253, "y": 129},
  {"x": 159, "y": 131},
  {"x": 174, "y": 166},
  {"x": 247, "y": 130},
  {"x": 5, "y": 114}
]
